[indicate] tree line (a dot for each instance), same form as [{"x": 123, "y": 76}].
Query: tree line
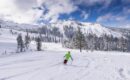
[
  {"x": 75, "y": 39},
  {"x": 92, "y": 42},
  {"x": 24, "y": 43}
]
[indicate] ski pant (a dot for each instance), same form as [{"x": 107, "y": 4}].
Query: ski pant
[{"x": 65, "y": 61}]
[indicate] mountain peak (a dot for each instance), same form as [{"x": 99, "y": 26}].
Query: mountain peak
[{"x": 87, "y": 28}]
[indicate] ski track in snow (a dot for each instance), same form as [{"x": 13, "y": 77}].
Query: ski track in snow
[
  {"x": 36, "y": 70},
  {"x": 48, "y": 66},
  {"x": 122, "y": 74},
  {"x": 27, "y": 72},
  {"x": 36, "y": 67}
]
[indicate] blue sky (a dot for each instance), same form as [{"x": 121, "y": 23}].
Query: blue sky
[{"x": 113, "y": 13}]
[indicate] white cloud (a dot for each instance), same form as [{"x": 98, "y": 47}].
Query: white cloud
[
  {"x": 57, "y": 7},
  {"x": 109, "y": 17},
  {"x": 114, "y": 20},
  {"x": 13, "y": 10},
  {"x": 22, "y": 11},
  {"x": 121, "y": 17},
  {"x": 25, "y": 4},
  {"x": 92, "y": 2},
  {"x": 84, "y": 15}
]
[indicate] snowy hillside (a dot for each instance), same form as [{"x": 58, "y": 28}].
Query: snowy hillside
[
  {"x": 48, "y": 64},
  {"x": 8, "y": 43},
  {"x": 13, "y": 25},
  {"x": 97, "y": 37},
  {"x": 87, "y": 28},
  {"x": 125, "y": 31}
]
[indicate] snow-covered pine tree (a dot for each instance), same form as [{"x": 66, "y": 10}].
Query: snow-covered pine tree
[
  {"x": 27, "y": 40},
  {"x": 79, "y": 39},
  {"x": 128, "y": 42},
  {"x": 69, "y": 32},
  {"x": 101, "y": 43},
  {"x": 105, "y": 40},
  {"x": 55, "y": 32},
  {"x": 123, "y": 44},
  {"x": 90, "y": 42},
  {"x": 20, "y": 43},
  {"x": 38, "y": 43}
]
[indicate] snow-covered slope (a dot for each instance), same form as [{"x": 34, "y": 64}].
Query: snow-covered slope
[
  {"x": 8, "y": 43},
  {"x": 48, "y": 64},
  {"x": 87, "y": 28}
]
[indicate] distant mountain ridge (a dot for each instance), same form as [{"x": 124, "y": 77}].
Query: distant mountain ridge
[
  {"x": 13, "y": 25},
  {"x": 86, "y": 27}
]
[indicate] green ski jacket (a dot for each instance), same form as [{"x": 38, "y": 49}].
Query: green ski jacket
[{"x": 68, "y": 56}]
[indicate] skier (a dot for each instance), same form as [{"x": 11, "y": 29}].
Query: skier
[{"x": 67, "y": 57}]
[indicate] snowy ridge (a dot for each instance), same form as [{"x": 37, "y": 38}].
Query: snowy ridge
[
  {"x": 16, "y": 26},
  {"x": 87, "y": 28}
]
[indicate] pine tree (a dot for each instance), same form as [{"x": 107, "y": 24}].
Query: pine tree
[
  {"x": 39, "y": 44},
  {"x": 20, "y": 43},
  {"x": 79, "y": 40},
  {"x": 91, "y": 42},
  {"x": 55, "y": 32},
  {"x": 27, "y": 41}
]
